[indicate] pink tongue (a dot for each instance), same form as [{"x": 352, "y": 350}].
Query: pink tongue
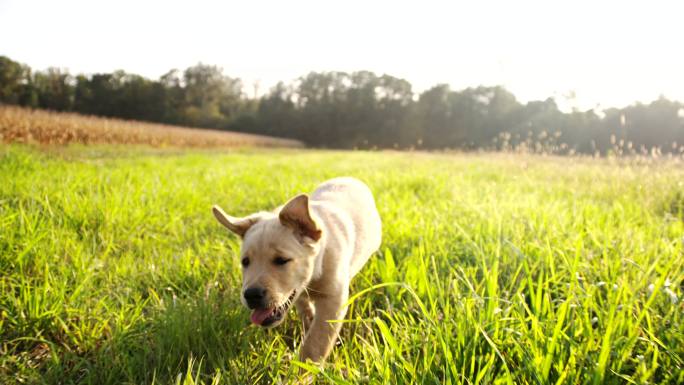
[{"x": 259, "y": 315}]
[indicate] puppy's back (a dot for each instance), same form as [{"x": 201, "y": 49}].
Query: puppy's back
[{"x": 354, "y": 198}]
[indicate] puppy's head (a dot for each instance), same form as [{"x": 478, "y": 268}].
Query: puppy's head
[{"x": 277, "y": 255}]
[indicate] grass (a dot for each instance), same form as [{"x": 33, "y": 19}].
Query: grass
[
  {"x": 494, "y": 269},
  {"x": 24, "y": 125}
]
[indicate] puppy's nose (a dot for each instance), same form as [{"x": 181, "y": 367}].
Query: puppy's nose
[{"x": 255, "y": 297}]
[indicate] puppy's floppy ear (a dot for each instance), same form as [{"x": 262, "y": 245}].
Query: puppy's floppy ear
[
  {"x": 237, "y": 225},
  {"x": 296, "y": 215}
]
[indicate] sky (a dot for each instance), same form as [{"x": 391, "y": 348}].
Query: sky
[{"x": 586, "y": 54}]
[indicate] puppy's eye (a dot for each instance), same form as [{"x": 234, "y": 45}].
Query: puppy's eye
[
  {"x": 280, "y": 261},
  {"x": 245, "y": 262}
]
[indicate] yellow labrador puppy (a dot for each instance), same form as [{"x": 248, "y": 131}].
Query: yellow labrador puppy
[{"x": 306, "y": 252}]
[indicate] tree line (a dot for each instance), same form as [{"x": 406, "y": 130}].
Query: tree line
[{"x": 351, "y": 110}]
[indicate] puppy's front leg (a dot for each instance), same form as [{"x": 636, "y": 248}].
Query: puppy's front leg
[
  {"x": 322, "y": 335},
  {"x": 306, "y": 312}
]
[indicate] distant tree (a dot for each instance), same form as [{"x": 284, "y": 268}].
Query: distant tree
[
  {"x": 351, "y": 110},
  {"x": 484, "y": 112},
  {"x": 98, "y": 94},
  {"x": 436, "y": 118},
  {"x": 277, "y": 114},
  {"x": 659, "y": 124},
  {"x": 210, "y": 97},
  {"x": 174, "y": 96},
  {"x": 337, "y": 109},
  {"x": 319, "y": 97},
  {"x": 83, "y": 94},
  {"x": 14, "y": 79},
  {"x": 392, "y": 110},
  {"x": 55, "y": 89},
  {"x": 532, "y": 122},
  {"x": 141, "y": 99}
]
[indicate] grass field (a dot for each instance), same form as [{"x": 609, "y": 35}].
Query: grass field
[{"x": 494, "y": 268}]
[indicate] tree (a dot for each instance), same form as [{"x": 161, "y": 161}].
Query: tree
[
  {"x": 351, "y": 110},
  {"x": 55, "y": 89},
  {"x": 14, "y": 79},
  {"x": 210, "y": 97}
]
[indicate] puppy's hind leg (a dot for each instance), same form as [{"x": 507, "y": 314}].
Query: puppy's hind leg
[{"x": 306, "y": 311}]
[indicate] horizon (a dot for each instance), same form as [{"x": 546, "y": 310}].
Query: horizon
[{"x": 580, "y": 54}]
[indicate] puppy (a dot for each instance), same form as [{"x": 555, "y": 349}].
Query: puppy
[{"x": 305, "y": 253}]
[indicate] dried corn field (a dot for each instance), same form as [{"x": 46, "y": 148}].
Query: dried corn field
[{"x": 22, "y": 125}]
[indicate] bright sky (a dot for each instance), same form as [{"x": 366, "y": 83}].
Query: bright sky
[{"x": 610, "y": 53}]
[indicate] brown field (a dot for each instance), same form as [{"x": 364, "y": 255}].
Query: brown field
[{"x": 22, "y": 125}]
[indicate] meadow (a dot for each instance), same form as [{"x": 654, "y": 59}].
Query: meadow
[{"x": 494, "y": 268}]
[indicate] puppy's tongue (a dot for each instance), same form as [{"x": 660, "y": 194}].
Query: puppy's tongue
[{"x": 259, "y": 315}]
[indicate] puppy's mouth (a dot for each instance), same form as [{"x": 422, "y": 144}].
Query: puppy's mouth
[{"x": 268, "y": 316}]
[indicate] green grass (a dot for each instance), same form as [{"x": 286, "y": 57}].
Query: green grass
[{"x": 493, "y": 269}]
